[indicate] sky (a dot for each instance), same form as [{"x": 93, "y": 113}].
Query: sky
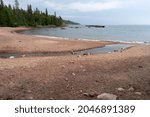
[{"x": 102, "y": 12}]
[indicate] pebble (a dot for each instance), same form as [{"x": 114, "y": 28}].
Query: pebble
[
  {"x": 81, "y": 91},
  {"x": 73, "y": 74},
  {"x": 138, "y": 93},
  {"x": 120, "y": 89},
  {"x": 131, "y": 89},
  {"x": 23, "y": 55},
  {"x": 115, "y": 50},
  {"x": 140, "y": 66},
  {"x": 107, "y": 96},
  {"x": 86, "y": 54},
  {"x": 72, "y": 62},
  {"x": 30, "y": 98},
  {"x": 66, "y": 79},
  {"x": 83, "y": 70},
  {"x": 11, "y": 57},
  {"x": 92, "y": 94},
  {"x": 63, "y": 66},
  {"x": 86, "y": 94},
  {"x": 29, "y": 91}
]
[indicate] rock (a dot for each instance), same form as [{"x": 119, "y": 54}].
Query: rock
[
  {"x": 86, "y": 54},
  {"x": 81, "y": 91},
  {"x": 51, "y": 98},
  {"x": 86, "y": 94},
  {"x": 84, "y": 70},
  {"x": 72, "y": 52},
  {"x": 140, "y": 66},
  {"x": 79, "y": 56},
  {"x": 63, "y": 28},
  {"x": 23, "y": 55},
  {"x": 107, "y": 96},
  {"x": 29, "y": 91},
  {"x": 131, "y": 89},
  {"x": 66, "y": 79},
  {"x": 120, "y": 89},
  {"x": 91, "y": 94},
  {"x": 73, "y": 74},
  {"x": 138, "y": 93},
  {"x": 11, "y": 57},
  {"x": 63, "y": 66},
  {"x": 30, "y": 98},
  {"x": 72, "y": 62},
  {"x": 115, "y": 50}
]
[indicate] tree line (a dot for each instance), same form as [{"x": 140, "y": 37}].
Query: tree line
[{"x": 15, "y": 16}]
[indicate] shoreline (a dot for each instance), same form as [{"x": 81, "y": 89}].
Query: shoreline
[
  {"x": 89, "y": 44},
  {"x": 87, "y": 39},
  {"x": 20, "y": 54},
  {"x": 71, "y": 77}
]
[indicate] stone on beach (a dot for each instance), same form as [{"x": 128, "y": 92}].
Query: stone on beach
[
  {"x": 63, "y": 66},
  {"x": 91, "y": 94},
  {"x": 72, "y": 62},
  {"x": 84, "y": 70},
  {"x": 23, "y": 55},
  {"x": 86, "y": 54},
  {"x": 131, "y": 89},
  {"x": 138, "y": 93},
  {"x": 79, "y": 56},
  {"x": 11, "y": 57},
  {"x": 120, "y": 89},
  {"x": 73, "y": 74},
  {"x": 107, "y": 96}
]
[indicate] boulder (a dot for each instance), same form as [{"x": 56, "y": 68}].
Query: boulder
[{"x": 107, "y": 96}]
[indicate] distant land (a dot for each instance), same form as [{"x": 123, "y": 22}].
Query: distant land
[
  {"x": 96, "y": 26},
  {"x": 71, "y": 22}
]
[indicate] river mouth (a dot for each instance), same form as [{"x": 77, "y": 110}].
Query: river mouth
[
  {"x": 105, "y": 49},
  {"x": 100, "y": 50}
]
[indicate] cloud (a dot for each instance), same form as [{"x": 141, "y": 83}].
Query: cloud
[{"x": 90, "y": 6}]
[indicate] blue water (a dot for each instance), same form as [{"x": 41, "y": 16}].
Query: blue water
[{"x": 127, "y": 33}]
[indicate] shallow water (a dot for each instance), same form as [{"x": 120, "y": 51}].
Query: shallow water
[{"x": 106, "y": 49}]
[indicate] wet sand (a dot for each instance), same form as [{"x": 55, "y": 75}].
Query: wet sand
[{"x": 70, "y": 77}]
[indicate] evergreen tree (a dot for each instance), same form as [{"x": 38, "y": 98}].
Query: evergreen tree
[
  {"x": 1, "y": 4},
  {"x": 14, "y": 16},
  {"x": 16, "y": 4}
]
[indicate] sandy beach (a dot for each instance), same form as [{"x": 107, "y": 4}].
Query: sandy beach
[{"x": 125, "y": 74}]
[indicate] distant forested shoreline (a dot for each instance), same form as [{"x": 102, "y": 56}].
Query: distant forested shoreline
[{"x": 13, "y": 15}]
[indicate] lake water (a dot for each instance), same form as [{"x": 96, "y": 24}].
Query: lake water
[{"x": 126, "y": 33}]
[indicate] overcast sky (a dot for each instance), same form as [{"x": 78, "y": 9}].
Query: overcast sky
[{"x": 104, "y": 12}]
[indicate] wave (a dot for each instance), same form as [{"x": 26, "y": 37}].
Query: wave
[{"x": 65, "y": 38}]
